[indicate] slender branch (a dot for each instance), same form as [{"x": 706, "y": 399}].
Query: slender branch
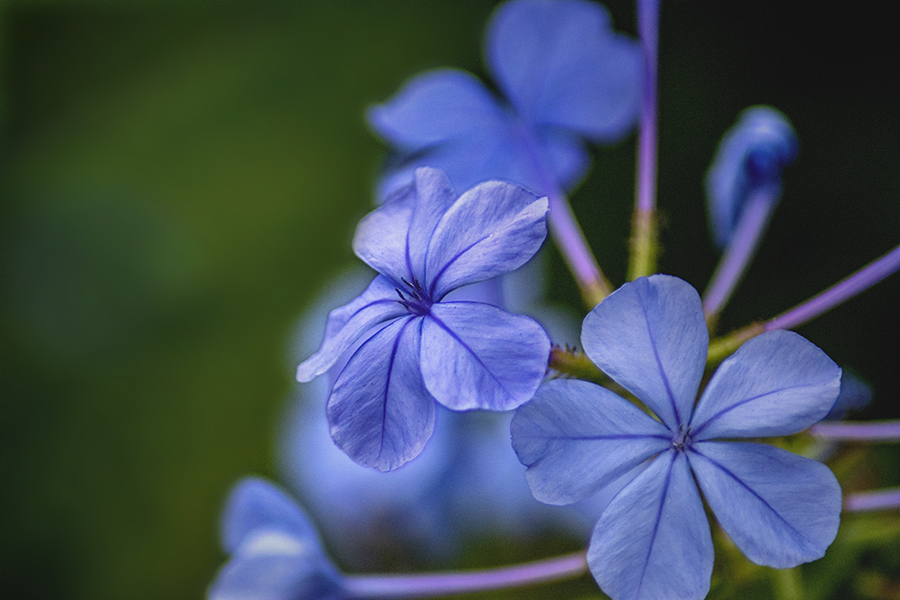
[
  {"x": 873, "y": 431},
  {"x": 740, "y": 251},
  {"x": 886, "y": 499},
  {"x": 429, "y": 585},
  {"x": 644, "y": 238}
]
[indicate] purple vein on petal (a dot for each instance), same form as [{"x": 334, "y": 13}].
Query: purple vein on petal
[
  {"x": 749, "y": 489},
  {"x": 459, "y": 340},
  {"x": 387, "y": 384},
  {"x": 662, "y": 501},
  {"x": 695, "y": 431},
  {"x": 659, "y": 364},
  {"x": 447, "y": 264}
]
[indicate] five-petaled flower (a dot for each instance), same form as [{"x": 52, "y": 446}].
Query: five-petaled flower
[
  {"x": 420, "y": 346},
  {"x": 653, "y": 540},
  {"x": 566, "y": 76}
]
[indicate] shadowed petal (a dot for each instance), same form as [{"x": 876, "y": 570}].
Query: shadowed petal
[
  {"x": 478, "y": 356},
  {"x": 652, "y": 541},
  {"x": 779, "y": 508},
  {"x": 433, "y": 108},
  {"x": 650, "y": 336},
  {"x": 348, "y": 323},
  {"x": 381, "y": 236},
  {"x": 380, "y": 413},
  {"x": 272, "y": 565},
  {"x": 433, "y": 196},
  {"x": 778, "y": 383},
  {"x": 561, "y": 64},
  {"x": 254, "y": 503},
  {"x": 491, "y": 229},
  {"x": 576, "y": 437}
]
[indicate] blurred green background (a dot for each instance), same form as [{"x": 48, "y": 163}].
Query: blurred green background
[{"x": 178, "y": 181}]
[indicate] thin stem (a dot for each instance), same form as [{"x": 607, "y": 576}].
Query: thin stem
[
  {"x": 873, "y": 431},
  {"x": 740, "y": 250},
  {"x": 429, "y": 585},
  {"x": 644, "y": 244},
  {"x": 575, "y": 364},
  {"x": 843, "y": 290},
  {"x": 885, "y": 499}
]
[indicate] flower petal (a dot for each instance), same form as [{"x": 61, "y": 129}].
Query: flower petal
[
  {"x": 348, "y": 323},
  {"x": 576, "y": 437},
  {"x": 478, "y": 356},
  {"x": 435, "y": 107},
  {"x": 779, "y": 508},
  {"x": 434, "y": 195},
  {"x": 380, "y": 413},
  {"x": 255, "y": 503},
  {"x": 561, "y": 64},
  {"x": 381, "y": 236},
  {"x": 491, "y": 229},
  {"x": 650, "y": 336},
  {"x": 272, "y": 565},
  {"x": 778, "y": 383},
  {"x": 653, "y": 539}
]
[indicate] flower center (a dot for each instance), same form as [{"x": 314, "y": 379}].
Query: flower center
[
  {"x": 416, "y": 300},
  {"x": 682, "y": 439}
]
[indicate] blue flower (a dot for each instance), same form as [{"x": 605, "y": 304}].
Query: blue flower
[
  {"x": 420, "y": 346},
  {"x": 653, "y": 539},
  {"x": 275, "y": 553},
  {"x": 750, "y": 159},
  {"x": 566, "y": 76}
]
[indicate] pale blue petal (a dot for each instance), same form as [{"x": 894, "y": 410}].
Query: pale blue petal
[
  {"x": 348, "y": 323},
  {"x": 381, "y": 236},
  {"x": 502, "y": 151},
  {"x": 272, "y": 565},
  {"x": 491, "y": 229},
  {"x": 255, "y": 503},
  {"x": 779, "y": 508},
  {"x": 433, "y": 196},
  {"x": 576, "y": 437},
  {"x": 650, "y": 336},
  {"x": 380, "y": 413},
  {"x": 778, "y": 383},
  {"x": 653, "y": 541},
  {"x": 479, "y": 356},
  {"x": 433, "y": 108},
  {"x": 750, "y": 157},
  {"x": 561, "y": 64}
]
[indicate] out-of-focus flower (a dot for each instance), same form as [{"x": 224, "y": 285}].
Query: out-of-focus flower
[
  {"x": 748, "y": 164},
  {"x": 275, "y": 552},
  {"x": 566, "y": 77},
  {"x": 653, "y": 539},
  {"x": 421, "y": 347}
]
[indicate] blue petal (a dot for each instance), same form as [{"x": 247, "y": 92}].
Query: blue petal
[
  {"x": 435, "y": 107},
  {"x": 273, "y": 565},
  {"x": 478, "y": 356},
  {"x": 561, "y": 64},
  {"x": 652, "y": 541},
  {"x": 576, "y": 437},
  {"x": 750, "y": 157},
  {"x": 380, "y": 413},
  {"x": 381, "y": 236},
  {"x": 651, "y": 338},
  {"x": 779, "y": 508},
  {"x": 348, "y": 323},
  {"x": 491, "y": 229},
  {"x": 254, "y": 503},
  {"x": 434, "y": 195},
  {"x": 776, "y": 384}
]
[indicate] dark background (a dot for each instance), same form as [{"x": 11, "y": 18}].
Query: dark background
[{"x": 178, "y": 182}]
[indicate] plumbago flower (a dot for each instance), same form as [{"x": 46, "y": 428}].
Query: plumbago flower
[
  {"x": 566, "y": 76},
  {"x": 275, "y": 552},
  {"x": 653, "y": 539},
  {"x": 420, "y": 346}
]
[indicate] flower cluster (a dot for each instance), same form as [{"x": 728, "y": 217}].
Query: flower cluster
[{"x": 637, "y": 427}]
